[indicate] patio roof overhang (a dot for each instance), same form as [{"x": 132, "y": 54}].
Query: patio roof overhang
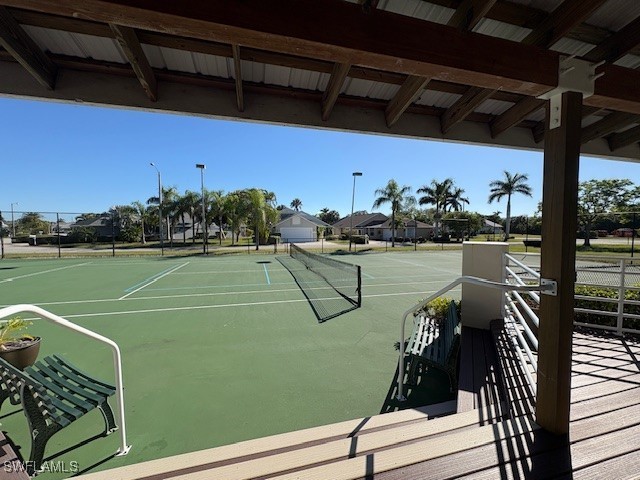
[{"x": 357, "y": 66}]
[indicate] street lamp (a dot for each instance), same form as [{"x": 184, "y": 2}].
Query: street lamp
[
  {"x": 13, "y": 224},
  {"x": 202, "y": 167},
  {"x": 353, "y": 197},
  {"x": 159, "y": 209}
]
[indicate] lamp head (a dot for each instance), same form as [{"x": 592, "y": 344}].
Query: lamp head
[
  {"x": 357, "y": 174},
  {"x": 201, "y": 166}
]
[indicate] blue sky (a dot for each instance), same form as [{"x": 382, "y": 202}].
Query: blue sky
[{"x": 75, "y": 158}]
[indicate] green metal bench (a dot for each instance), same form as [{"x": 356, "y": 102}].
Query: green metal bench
[
  {"x": 53, "y": 394},
  {"x": 435, "y": 344}
]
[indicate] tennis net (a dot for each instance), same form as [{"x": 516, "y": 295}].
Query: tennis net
[{"x": 343, "y": 277}]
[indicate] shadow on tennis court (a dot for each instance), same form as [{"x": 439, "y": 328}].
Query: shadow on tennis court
[
  {"x": 432, "y": 387},
  {"x": 324, "y": 300}
]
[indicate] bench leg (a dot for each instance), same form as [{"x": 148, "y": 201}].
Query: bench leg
[
  {"x": 40, "y": 431},
  {"x": 107, "y": 413}
]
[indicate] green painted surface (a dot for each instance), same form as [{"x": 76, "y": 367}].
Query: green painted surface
[{"x": 216, "y": 350}]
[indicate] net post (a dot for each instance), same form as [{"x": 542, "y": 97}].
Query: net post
[{"x": 359, "y": 285}]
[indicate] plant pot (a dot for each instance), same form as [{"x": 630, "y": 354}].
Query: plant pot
[{"x": 21, "y": 353}]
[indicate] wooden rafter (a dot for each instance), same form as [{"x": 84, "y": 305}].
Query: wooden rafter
[
  {"x": 617, "y": 45},
  {"x": 338, "y": 75},
  {"x": 15, "y": 40},
  {"x": 237, "y": 70},
  {"x": 469, "y": 13},
  {"x": 409, "y": 91},
  {"x": 130, "y": 45},
  {"x": 515, "y": 114},
  {"x": 609, "y": 124},
  {"x": 563, "y": 19},
  {"x": 466, "y": 17},
  {"x": 623, "y": 139},
  {"x": 464, "y": 106}
]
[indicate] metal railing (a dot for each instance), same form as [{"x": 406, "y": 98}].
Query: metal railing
[
  {"x": 417, "y": 310},
  {"x": 613, "y": 285},
  {"x": 117, "y": 358},
  {"x": 520, "y": 319}
]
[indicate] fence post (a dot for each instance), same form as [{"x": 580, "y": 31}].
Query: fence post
[
  {"x": 58, "y": 231},
  {"x": 322, "y": 245},
  {"x": 621, "y": 297}
]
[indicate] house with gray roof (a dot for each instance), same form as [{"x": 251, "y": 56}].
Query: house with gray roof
[{"x": 298, "y": 227}]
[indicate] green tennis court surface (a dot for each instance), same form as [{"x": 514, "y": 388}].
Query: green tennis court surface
[{"x": 219, "y": 350}]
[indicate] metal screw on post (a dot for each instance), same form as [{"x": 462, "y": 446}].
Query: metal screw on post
[
  {"x": 202, "y": 167},
  {"x": 160, "y": 226},
  {"x": 353, "y": 196}
]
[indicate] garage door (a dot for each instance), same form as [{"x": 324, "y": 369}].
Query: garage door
[{"x": 298, "y": 234}]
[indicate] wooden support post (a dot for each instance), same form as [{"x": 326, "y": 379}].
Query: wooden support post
[{"x": 558, "y": 258}]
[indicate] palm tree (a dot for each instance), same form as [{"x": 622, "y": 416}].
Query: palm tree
[
  {"x": 456, "y": 201},
  {"x": 438, "y": 195},
  {"x": 395, "y": 195},
  {"x": 511, "y": 184},
  {"x": 142, "y": 212},
  {"x": 258, "y": 212},
  {"x": 217, "y": 208},
  {"x": 296, "y": 203}
]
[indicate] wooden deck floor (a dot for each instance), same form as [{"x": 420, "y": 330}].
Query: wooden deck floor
[{"x": 604, "y": 441}]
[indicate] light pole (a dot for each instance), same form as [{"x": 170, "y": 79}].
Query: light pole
[
  {"x": 13, "y": 224},
  {"x": 202, "y": 167},
  {"x": 160, "y": 209},
  {"x": 353, "y": 197}
]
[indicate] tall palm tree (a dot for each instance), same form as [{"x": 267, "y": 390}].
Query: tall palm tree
[
  {"x": 258, "y": 213},
  {"x": 296, "y": 203},
  {"x": 395, "y": 195},
  {"x": 217, "y": 208},
  {"x": 456, "y": 201},
  {"x": 143, "y": 213},
  {"x": 511, "y": 184},
  {"x": 438, "y": 195}
]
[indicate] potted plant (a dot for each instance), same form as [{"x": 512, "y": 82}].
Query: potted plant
[{"x": 19, "y": 349}]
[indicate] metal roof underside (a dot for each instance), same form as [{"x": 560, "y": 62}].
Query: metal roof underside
[{"x": 74, "y": 50}]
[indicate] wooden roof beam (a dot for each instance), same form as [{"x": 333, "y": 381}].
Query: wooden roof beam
[
  {"x": 22, "y": 48},
  {"x": 563, "y": 19},
  {"x": 469, "y": 13},
  {"x": 418, "y": 48},
  {"x": 617, "y": 45},
  {"x": 408, "y": 93},
  {"x": 514, "y": 115},
  {"x": 237, "y": 70},
  {"x": 609, "y": 124},
  {"x": 464, "y": 106},
  {"x": 338, "y": 75},
  {"x": 623, "y": 139},
  {"x": 130, "y": 45}
]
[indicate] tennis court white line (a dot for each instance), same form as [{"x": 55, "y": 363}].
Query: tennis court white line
[
  {"x": 154, "y": 280},
  {"x": 228, "y": 305},
  {"x": 45, "y": 271},
  {"x": 367, "y": 275},
  {"x": 215, "y": 294}
]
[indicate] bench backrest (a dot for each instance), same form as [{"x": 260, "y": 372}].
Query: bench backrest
[{"x": 17, "y": 381}]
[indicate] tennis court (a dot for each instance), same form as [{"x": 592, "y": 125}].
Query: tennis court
[{"x": 222, "y": 349}]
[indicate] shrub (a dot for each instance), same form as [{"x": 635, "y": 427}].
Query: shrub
[
  {"x": 438, "y": 308},
  {"x": 605, "y": 292},
  {"x": 360, "y": 239},
  {"x": 331, "y": 237}
]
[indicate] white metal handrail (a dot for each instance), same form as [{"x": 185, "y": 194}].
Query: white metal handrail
[
  {"x": 117, "y": 358},
  {"x": 464, "y": 279}
]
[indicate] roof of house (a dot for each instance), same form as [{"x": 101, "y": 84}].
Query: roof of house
[
  {"x": 360, "y": 221},
  {"x": 408, "y": 223},
  {"x": 287, "y": 212},
  {"x": 489, "y": 223}
]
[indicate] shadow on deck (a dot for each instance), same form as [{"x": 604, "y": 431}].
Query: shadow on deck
[{"x": 493, "y": 435}]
